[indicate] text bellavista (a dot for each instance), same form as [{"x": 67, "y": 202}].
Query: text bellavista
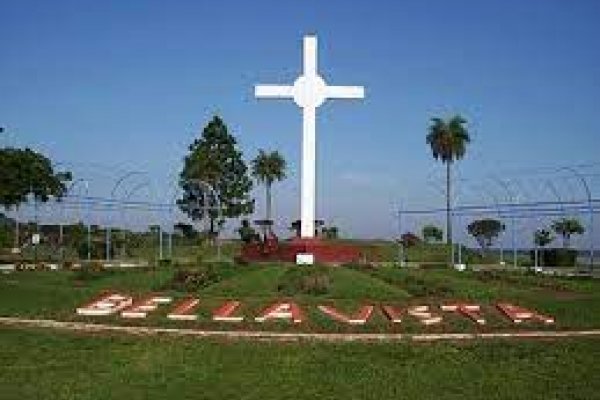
[{"x": 113, "y": 303}]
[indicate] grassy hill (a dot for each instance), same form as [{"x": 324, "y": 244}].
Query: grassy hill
[{"x": 55, "y": 294}]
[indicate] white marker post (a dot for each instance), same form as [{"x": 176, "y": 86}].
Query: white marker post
[{"x": 309, "y": 92}]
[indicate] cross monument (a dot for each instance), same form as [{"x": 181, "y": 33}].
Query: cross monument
[{"x": 309, "y": 91}]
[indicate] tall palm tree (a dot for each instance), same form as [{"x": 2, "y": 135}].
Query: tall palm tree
[
  {"x": 448, "y": 140},
  {"x": 268, "y": 168}
]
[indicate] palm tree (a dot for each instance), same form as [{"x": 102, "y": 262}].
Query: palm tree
[
  {"x": 541, "y": 238},
  {"x": 448, "y": 140},
  {"x": 268, "y": 168}
]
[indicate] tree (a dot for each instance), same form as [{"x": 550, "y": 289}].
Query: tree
[
  {"x": 215, "y": 160},
  {"x": 409, "y": 239},
  {"x": 6, "y": 228},
  {"x": 268, "y": 168},
  {"x": 566, "y": 227},
  {"x": 432, "y": 233},
  {"x": 448, "y": 141},
  {"x": 185, "y": 230},
  {"x": 25, "y": 172},
  {"x": 542, "y": 237},
  {"x": 485, "y": 231},
  {"x": 75, "y": 235}
]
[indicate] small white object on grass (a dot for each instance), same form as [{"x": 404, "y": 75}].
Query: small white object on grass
[
  {"x": 305, "y": 259},
  {"x": 460, "y": 267}
]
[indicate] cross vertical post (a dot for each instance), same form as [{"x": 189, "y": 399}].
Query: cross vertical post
[{"x": 308, "y": 179}]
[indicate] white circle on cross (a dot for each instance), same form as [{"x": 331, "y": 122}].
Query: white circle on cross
[{"x": 309, "y": 91}]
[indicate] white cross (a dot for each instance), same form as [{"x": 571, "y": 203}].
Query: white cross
[{"x": 309, "y": 92}]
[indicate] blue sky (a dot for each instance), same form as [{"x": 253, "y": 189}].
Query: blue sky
[{"x": 120, "y": 85}]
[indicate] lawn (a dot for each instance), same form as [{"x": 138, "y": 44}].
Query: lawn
[
  {"x": 65, "y": 365},
  {"x": 43, "y": 364}
]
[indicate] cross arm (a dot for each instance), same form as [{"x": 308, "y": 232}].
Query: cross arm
[
  {"x": 345, "y": 92},
  {"x": 273, "y": 91}
]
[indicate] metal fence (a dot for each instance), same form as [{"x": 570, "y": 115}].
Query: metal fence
[{"x": 524, "y": 202}]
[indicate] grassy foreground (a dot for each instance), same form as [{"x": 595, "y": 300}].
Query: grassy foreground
[
  {"x": 36, "y": 364},
  {"x": 64, "y": 365}
]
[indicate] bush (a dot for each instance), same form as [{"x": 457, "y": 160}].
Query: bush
[
  {"x": 192, "y": 280},
  {"x": 409, "y": 239},
  {"x": 247, "y": 233},
  {"x": 556, "y": 257},
  {"x": 422, "y": 287},
  {"x": 299, "y": 280},
  {"x": 90, "y": 271}
]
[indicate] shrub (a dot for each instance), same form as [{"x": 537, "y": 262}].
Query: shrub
[
  {"x": 299, "y": 280},
  {"x": 432, "y": 233},
  {"x": 191, "y": 280},
  {"x": 90, "y": 271},
  {"x": 421, "y": 287},
  {"x": 409, "y": 239},
  {"x": 247, "y": 233},
  {"x": 315, "y": 284},
  {"x": 559, "y": 257}
]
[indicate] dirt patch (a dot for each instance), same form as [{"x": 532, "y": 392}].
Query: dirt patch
[{"x": 293, "y": 336}]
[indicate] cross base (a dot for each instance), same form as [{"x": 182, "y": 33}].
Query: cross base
[{"x": 302, "y": 249}]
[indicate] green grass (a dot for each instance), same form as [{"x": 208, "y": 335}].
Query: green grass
[
  {"x": 573, "y": 302},
  {"x": 64, "y": 365},
  {"x": 37, "y": 364}
]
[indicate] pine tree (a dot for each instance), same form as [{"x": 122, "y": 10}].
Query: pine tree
[{"x": 215, "y": 160}]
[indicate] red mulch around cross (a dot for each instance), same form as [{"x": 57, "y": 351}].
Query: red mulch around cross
[{"x": 324, "y": 251}]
